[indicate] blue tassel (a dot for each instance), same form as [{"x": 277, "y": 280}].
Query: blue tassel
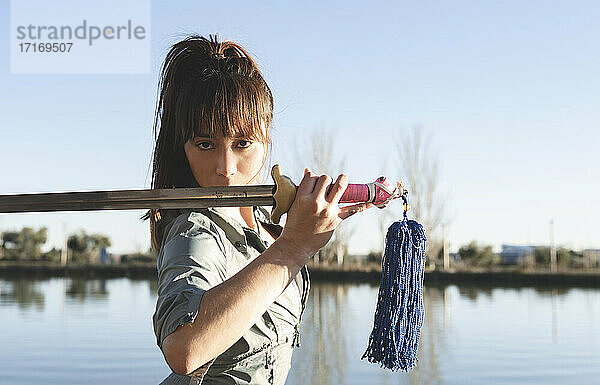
[{"x": 399, "y": 314}]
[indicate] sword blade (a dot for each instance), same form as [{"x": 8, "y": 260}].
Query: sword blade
[{"x": 195, "y": 197}]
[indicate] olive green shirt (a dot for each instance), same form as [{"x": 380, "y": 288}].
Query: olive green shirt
[{"x": 200, "y": 249}]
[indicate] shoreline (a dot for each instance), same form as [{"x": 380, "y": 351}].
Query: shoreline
[{"x": 348, "y": 273}]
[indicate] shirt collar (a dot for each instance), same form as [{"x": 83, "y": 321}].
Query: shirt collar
[{"x": 260, "y": 214}]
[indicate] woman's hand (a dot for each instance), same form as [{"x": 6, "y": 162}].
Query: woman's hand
[{"x": 315, "y": 213}]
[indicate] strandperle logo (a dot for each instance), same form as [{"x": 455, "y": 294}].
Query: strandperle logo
[{"x": 81, "y": 32}]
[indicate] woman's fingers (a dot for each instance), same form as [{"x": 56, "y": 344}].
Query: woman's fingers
[
  {"x": 337, "y": 189},
  {"x": 307, "y": 184},
  {"x": 322, "y": 183},
  {"x": 348, "y": 211},
  {"x": 315, "y": 213}
]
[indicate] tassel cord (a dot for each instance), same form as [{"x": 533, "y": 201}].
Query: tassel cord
[{"x": 399, "y": 312}]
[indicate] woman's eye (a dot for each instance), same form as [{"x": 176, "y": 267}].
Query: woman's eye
[
  {"x": 244, "y": 143},
  {"x": 203, "y": 145}
]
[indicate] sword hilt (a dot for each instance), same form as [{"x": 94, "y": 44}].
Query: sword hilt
[
  {"x": 284, "y": 195},
  {"x": 380, "y": 193}
]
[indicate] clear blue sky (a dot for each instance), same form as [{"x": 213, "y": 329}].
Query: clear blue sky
[{"x": 508, "y": 91}]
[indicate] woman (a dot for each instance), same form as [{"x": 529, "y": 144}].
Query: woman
[{"x": 232, "y": 285}]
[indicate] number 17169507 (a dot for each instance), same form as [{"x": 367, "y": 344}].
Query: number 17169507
[{"x": 45, "y": 47}]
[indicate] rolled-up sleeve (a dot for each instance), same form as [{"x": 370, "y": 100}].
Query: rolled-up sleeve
[{"x": 189, "y": 263}]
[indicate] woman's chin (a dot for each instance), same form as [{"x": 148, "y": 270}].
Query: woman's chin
[
  {"x": 222, "y": 183},
  {"x": 219, "y": 184}
]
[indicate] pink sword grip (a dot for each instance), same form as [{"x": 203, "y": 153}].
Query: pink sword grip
[
  {"x": 354, "y": 193},
  {"x": 381, "y": 189}
]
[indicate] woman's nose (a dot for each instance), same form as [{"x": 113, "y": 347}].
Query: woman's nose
[{"x": 226, "y": 163}]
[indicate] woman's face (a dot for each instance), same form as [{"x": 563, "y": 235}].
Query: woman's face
[{"x": 221, "y": 161}]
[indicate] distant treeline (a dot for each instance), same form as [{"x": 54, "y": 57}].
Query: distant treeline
[
  {"x": 476, "y": 255},
  {"x": 82, "y": 247}
]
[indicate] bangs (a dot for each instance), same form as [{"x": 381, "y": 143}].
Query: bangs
[{"x": 231, "y": 106}]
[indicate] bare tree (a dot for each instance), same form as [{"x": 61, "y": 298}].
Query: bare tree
[
  {"x": 319, "y": 155},
  {"x": 420, "y": 167}
]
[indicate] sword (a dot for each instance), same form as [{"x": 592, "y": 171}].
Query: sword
[{"x": 279, "y": 195}]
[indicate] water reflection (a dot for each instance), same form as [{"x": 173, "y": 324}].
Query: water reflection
[
  {"x": 433, "y": 338},
  {"x": 474, "y": 292},
  {"x": 329, "y": 330},
  {"x": 339, "y": 317},
  {"x": 479, "y": 334},
  {"x": 552, "y": 291},
  {"x": 82, "y": 289},
  {"x": 153, "y": 286},
  {"x": 26, "y": 293},
  {"x": 324, "y": 346}
]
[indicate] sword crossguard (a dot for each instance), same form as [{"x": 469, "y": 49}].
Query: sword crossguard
[{"x": 284, "y": 194}]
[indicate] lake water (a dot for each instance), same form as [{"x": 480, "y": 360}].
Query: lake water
[{"x": 70, "y": 331}]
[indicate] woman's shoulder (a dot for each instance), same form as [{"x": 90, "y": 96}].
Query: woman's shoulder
[
  {"x": 189, "y": 223},
  {"x": 191, "y": 237}
]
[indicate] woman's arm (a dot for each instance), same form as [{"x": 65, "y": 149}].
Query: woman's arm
[
  {"x": 227, "y": 310},
  {"x": 232, "y": 307}
]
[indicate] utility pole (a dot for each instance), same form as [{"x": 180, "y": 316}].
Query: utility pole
[
  {"x": 64, "y": 251},
  {"x": 445, "y": 246},
  {"x": 587, "y": 259},
  {"x": 552, "y": 248},
  {"x": 339, "y": 252}
]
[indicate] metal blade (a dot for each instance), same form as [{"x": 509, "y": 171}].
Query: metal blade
[{"x": 196, "y": 197}]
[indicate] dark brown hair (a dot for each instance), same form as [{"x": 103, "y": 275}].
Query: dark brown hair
[{"x": 207, "y": 88}]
